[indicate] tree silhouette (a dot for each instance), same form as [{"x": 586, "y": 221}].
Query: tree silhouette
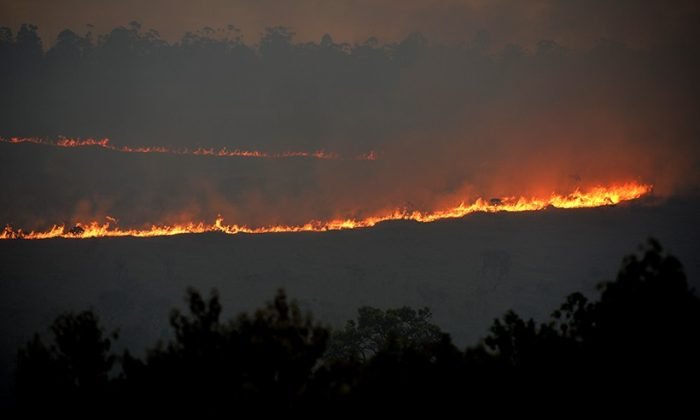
[
  {"x": 376, "y": 329},
  {"x": 642, "y": 331},
  {"x": 264, "y": 360},
  {"x": 28, "y": 45},
  {"x": 310, "y": 84},
  {"x": 72, "y": 371},
  {"x": 641, "y": 337},
  {"x": 647, "y": 320}
]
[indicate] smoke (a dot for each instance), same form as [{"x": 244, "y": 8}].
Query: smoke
[{"x": 609, "y": 96}]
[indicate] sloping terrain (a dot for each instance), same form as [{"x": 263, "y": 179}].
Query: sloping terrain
[{"x": 468, "y": 271}]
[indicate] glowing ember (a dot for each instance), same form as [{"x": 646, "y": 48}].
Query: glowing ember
[
  {"x": 222, "y": 152},
  {"x": 594, "y": 197}
]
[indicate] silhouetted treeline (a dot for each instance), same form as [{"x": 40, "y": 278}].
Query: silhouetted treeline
[
  {"x": 211, "y": 88},
  {"x": 640, "y": 339}
]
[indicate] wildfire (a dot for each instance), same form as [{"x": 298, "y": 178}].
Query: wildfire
[
  {"x": 221, "y": 152},
  {"x": 594, "y": 197}
]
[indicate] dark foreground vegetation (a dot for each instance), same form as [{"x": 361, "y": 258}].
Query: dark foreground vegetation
[{"x": 640, "y": 338}]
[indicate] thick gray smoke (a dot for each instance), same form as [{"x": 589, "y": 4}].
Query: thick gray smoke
[{"x": 609, "y": 97}]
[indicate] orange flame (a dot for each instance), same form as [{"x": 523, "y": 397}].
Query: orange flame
[
  {"x": 221, "y": 152},
  {"x": 594, "y": 197}
]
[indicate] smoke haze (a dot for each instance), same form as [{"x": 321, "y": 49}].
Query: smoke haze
[{"x": 459, "y": 100}]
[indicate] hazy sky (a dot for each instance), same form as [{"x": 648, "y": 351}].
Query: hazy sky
[{"x": 570, "y": 22}]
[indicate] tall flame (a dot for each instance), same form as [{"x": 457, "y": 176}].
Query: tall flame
[
  {"x": 220, "y": 152},
  {"x": 594, "y": 197}
]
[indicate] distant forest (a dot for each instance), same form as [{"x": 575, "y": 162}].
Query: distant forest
[
  {"x": 211, "y": 88},
  {"x": 639, "y": 339}
]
